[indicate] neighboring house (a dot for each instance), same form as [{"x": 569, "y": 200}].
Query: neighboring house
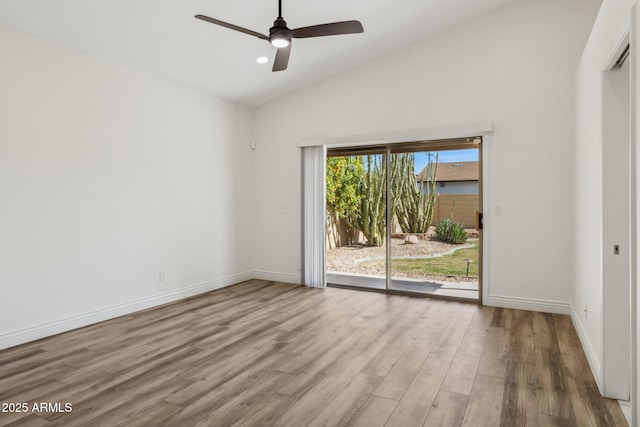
[
  {"x": 454, "y": 178},
  {"x": 458, "y": 188}
]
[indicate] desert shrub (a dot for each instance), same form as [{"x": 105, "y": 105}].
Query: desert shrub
[{"x": 451, "y": 231}]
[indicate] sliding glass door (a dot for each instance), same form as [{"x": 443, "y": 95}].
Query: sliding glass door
[{"x": 404, "y": 218}]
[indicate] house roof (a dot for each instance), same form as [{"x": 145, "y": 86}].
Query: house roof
[{"x": 455, "y": 171}]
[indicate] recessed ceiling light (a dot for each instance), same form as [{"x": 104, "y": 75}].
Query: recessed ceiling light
[{"x": 262, "y": 60}]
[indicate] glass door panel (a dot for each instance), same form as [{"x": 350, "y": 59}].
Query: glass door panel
[
  {"x": 356, "y": 220},
  {"x": 434, "y": 242}
]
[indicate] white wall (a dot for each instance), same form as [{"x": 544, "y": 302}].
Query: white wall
[
  {"x": 513, "y": 67},
  {"x": 589, "y": 244},
  {"x": 109, "y": 176}
]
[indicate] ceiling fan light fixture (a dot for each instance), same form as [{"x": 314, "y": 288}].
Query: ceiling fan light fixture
[
  {"x": 280, "y": 39},
  {"x": 279, "y": 34},
  {"x": 279, "y": 42}
]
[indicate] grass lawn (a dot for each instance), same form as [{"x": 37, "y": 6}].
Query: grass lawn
[{"x": 448, "y": 265}]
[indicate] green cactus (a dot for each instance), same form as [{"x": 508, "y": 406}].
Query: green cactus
[
  {"x": 356, "y": 192},
  {"x": 370, "y": 215},
  {"x": 413, "y": 203}
]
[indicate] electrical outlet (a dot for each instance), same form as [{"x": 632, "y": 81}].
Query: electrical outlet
[{"x": 162, "y": 277}]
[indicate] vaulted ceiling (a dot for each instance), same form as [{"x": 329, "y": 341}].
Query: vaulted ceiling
[{"x": 163, "y": 37}]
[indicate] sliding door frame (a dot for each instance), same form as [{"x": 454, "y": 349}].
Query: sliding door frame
[
  {"x": 473, "y": 142},
  {"x": 481, "y": 129}
]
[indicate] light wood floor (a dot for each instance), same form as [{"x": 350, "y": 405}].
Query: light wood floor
[{"x": 263, "y": 353}]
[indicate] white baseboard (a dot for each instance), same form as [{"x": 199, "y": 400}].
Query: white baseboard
[
  {"x": 73, "y": 322},
  {"x": 592, "y": 357},
  {"x": 277, "y": 277},
  {"x": 625, "y": 405},
  {"x": 530, "y": 304}
]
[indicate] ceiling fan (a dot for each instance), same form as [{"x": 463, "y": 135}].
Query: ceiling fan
[{"x": 280, "y": 35}]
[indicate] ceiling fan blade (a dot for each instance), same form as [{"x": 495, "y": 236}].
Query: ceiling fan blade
[
  {"x": 282, "y": 58},
  {"x": 231, "y": 26},
  {"x": 333, "y": 29}
]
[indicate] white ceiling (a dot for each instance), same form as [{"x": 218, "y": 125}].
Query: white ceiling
[{"x": 162, "y": 37}]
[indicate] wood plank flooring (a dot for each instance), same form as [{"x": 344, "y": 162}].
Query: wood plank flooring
[{"x": 275, "y": 354}]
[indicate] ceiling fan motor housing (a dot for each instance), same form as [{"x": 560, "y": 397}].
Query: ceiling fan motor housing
[{"x": 279, "y": 31}]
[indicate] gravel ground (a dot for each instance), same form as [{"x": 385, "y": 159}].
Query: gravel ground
[{"x": 347, "y": 259}]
